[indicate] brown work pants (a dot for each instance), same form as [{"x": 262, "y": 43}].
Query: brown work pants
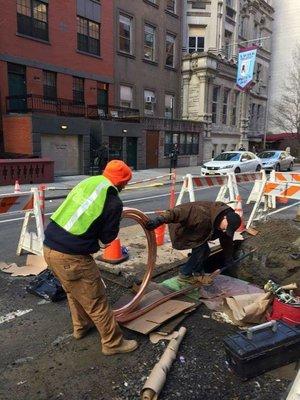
[{"x": 80, "y": 278}]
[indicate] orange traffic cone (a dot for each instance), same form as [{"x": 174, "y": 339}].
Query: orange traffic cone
[
  {"x": 239, "y": 211},
  {"x": 113, "y": 253},
  {"x": 17, "y": 186},
  {"x": 160, "y": 234}
]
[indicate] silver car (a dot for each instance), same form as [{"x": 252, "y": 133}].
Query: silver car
[{"x": 276, "y": 159}]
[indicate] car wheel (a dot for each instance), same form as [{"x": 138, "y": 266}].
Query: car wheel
[
  {"x": 277, "y": 167},
  {"x": 290, "y": 168},
  {"x": 237, "y": 170},
  {"x": 258, "y": 168}
]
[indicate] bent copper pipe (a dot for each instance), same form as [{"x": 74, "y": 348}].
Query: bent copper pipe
[{"x": 141, "y": 219}]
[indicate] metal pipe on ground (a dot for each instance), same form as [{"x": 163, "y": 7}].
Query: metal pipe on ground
[{"x": 141, "y": 219}]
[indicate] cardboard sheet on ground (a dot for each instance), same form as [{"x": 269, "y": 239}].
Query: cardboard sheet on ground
[
  {"x": 247, "y": 309},
  {"x": 34, "y": 265},
  {"x": 154, "y": 318}
]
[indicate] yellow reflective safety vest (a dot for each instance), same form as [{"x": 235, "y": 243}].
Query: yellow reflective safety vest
[{"x": 83, "y": 205}]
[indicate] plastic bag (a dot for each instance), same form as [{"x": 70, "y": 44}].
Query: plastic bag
[{"x": 47, "y": 286}]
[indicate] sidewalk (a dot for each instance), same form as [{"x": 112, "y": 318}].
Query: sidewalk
[{"x": 67, "y": 182}]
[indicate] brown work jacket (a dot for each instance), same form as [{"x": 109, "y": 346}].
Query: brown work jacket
[{"x": 192, "y": 224}]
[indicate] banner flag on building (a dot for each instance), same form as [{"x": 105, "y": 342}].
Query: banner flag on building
[{"x": 246, "y": 64}]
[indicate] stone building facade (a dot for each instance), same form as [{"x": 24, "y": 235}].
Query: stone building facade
[{"x": 213, "y": 31}]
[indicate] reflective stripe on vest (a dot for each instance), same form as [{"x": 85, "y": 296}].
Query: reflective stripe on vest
[{"x": 83, "y": 205}]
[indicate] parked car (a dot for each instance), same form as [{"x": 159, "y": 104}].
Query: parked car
[
  {"x": 232, "y": 161},
  {"x": 276, "y": 159}
]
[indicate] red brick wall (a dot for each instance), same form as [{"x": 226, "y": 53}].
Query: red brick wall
[
  {"x": 61, "y": 50},
  {"x": 64, "y": 86},
  {"x": 17, "y": 133},
  {"x": 90, "y": 88},
  {"x": 34, "y": 81}
]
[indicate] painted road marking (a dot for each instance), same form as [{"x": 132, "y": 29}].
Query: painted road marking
[{"x": 13, "y": 315}]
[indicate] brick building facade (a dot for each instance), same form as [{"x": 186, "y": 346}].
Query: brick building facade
[{"x": 56, "y": 66}]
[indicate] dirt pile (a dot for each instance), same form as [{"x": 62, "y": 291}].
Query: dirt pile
[{"x": 275, "y": 242}]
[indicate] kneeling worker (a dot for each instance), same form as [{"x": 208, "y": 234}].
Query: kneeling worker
[
  {"x": 191, "y": 226},
  {"x": 91, "y": 212}
]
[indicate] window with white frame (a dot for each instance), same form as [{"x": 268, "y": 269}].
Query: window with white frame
[
  {"x": 149, "y": 42},
  {"x": 170, "y": 50},
  {"x": 235, "y": 97},
  {"x": 215, "y": 100},
  {"x": 149, "y": 102},
  {"x": 171, "y": 6},
  {"x": 196, "y": 44},
  {"x": 126, "y": 96},
  {"x": 225, "y": 105},
  {"x": 125, "y": 33},
  {"x": 169, "y": 106},
  {"x": 228, "y": 44}
]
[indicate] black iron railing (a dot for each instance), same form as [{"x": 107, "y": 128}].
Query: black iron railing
[
  {"x": 113, "y": 112},
  {"x": 37, "y": 103}
]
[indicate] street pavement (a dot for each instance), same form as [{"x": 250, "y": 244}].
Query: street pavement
[{"x": 40, "y": 360}]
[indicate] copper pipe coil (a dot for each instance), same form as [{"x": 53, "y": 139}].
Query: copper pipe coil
[{"x": 141, "y": 219}]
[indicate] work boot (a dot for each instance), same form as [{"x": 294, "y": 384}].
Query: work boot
[
  {"x": 82, "y": 332},
  {"x": 204, "y": 280},
  {"x": 126, "y": 346}
]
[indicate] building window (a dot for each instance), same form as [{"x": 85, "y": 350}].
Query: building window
[
  {"x": 126, "y": 96},
  {"x": 234, "y": 108},
  {"x": 170, "y": 50},
  {"x": 225, "y": 106},
  {"x": 215, "y": 99},
  {"x": 198, "y": 4},
  {"x": 32, "y": 18},
  {"x": 228, "y": 45},
  {"x": 169, "y": 106},
  {"x": 88, "y": 36},
  {"x": 49, "y": 85},
  {"x": 196, "y": 44},
  {"x": 171, "y": 6},
  {"x": 149, "y": 102},
  {"x": 188, "y": 143},
  {"x": 125, "y": 34},
  {"x": 78, "y": 90},
  {"x": 149, "y": 43},
  {"x": 242, "y": 27}
]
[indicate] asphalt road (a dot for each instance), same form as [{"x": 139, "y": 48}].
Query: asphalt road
[{"x": 39, "y": 360}]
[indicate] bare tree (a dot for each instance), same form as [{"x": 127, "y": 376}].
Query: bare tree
[{"x": 285, "y": 113}]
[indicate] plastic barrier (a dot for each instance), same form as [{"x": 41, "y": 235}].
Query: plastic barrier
[
  {"x": 28, "y": 203},
  {"x": 226, "y": 183},
  {"x": 229, "y": 185},
  {"x": 285, "y": 176},
  {"x": 289, "y": 189}
]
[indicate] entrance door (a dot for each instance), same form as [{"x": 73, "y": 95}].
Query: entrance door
[
  {"x": 17, "y": 87},
  {"x": 152, "y": 149},
  {"x": 131, "y": 150}
]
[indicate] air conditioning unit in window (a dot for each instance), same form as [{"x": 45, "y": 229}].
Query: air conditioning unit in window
[{"x": 150, "y": 99}]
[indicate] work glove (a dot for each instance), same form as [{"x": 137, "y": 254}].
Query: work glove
[{"x": 155, "y": 222}]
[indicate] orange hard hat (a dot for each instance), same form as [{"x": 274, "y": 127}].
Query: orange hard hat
[{"x": 117, "y": 172}]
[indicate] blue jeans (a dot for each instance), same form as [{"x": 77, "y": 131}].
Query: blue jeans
[{"x": 195, "y": 264}]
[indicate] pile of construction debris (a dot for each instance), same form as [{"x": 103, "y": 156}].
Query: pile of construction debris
[{"x": 278, "y": 244}]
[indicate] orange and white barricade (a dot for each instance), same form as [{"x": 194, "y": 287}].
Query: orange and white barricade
[
  {"x": 25, "y": 203},
  {"x": 285, "y": 177},
  {"x": 289, "y": 189},
  {"x": 227, "y": 193}
]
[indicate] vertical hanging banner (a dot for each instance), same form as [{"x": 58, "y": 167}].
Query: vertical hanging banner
[{"x": 245, "y": 69}]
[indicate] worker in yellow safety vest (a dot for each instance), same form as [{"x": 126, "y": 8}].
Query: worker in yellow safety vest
[{"x": 91, "y": 212}]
